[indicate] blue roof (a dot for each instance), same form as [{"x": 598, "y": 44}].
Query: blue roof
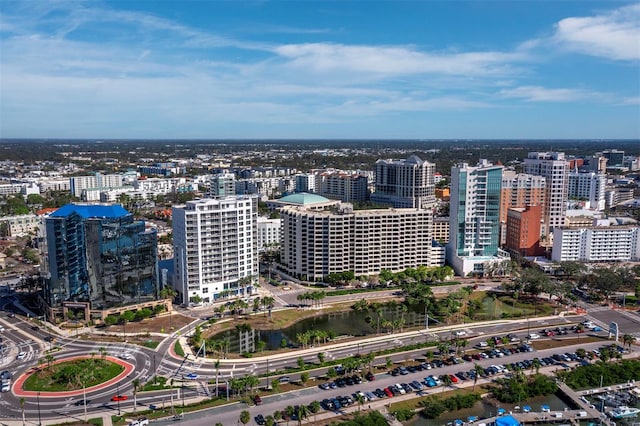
[
  {"x": 91, "y": 210},
  {"x": 303, "y": 198},
  {"x": 507, "y": 421}
]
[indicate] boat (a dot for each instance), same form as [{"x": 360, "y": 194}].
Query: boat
[
  {"x": 458, "y": 422},
  {"x": 623, "y": 411},
  {"x": 545, "y": 408},
  {"x": 526, "y": 409},
  {"x": 502, "y": 411},
  {"x": 472, "y": 419}
]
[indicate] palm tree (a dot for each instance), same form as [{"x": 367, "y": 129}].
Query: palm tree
[
  {"x": 321, "y": 357},
  {"x": 535, "y": 364},
  {"x": 314, "y": 407},
  {"x": 136, "y": 386},
  {"x": 302, "y": 412},
  {"x": 478, "y": 370},
  {"x": 268, "y": 302},
  {"x": 49, "y": 358},
  {"x": 388, "y": 362},
  {"x": 446, "y": 381},
  {"x": 252, "y": 382},
  {"x": 360, "y": 400},
  {"x": 627, "y": 340},
  {"x": 289, "y": 411}
]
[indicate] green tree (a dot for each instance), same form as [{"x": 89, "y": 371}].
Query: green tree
[
  {"x": 304, "y": 377},
  {"x": 245, "y": 417},
  {"x": 628, "y": 340},
  {"x": 446, "y": 381}
]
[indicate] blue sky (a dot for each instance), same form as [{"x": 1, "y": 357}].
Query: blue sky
[{"x": 319, "y": 69}]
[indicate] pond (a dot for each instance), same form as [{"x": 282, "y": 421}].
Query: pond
[{"x": 346, "y": 323}]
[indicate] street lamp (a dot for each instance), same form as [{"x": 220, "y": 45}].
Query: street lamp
[
  {"x": 118, "y": 396},
  {"x": 426, "y": 319},
  {"x": 39, "y": 418},
  {"x": 268, "y": 384},
  {"x": 84, "y": 396}
]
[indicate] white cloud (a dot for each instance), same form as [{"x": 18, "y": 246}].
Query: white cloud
[
  {"x": 543, "y": 94},
  {"x": 613, "y": 35},
  {"x": 394, "y": 60}
]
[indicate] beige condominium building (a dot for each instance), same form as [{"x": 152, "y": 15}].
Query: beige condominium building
[{"x": 316, "y": 243}]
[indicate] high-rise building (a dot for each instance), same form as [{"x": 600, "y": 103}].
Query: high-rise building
[
  {"x": 215, "y": 247},
  {"x": 519, "y": 190},
  {"x": 555, "y": 168},
  {"x": 222, "y": 185},
  {"x": 615, "y": 158},
  {"x": 98, "y": 257},
  {"x": 597, "y": 164},
  {"x": 347, "y": 187},
  {"x": 316, "y": 243},
  {"x": 306, "y": 182},
  {"x": 405, "y": 183},
  {"x": 79, "y": 184},
  {"x": 523, "y": 230},
  {"x": 474, "y": 218},
  {"x": 589, "y": 186},
  {"x": 269, "y": 233}
]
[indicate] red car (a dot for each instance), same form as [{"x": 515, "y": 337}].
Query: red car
[
  {"x": 119, "y": 398},
  {"x": 257, "y": 400},
  {"x": 388, "y": 392},
  {"x": 454, "y": 379}
]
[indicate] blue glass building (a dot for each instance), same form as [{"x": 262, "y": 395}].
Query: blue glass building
[{"x": 99, "y": 257}]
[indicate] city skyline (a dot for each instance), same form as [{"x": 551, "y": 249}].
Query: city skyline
[{"x": 426, "y": 70}]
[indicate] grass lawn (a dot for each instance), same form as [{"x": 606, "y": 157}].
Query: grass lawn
[
  {"x": 549, "y": 344},
  {"x": 66, "y": 376},
  {"x": 414, "y": 403},
  {"x": 95, "y": 422},
  {"x": 177, "y": 347}
]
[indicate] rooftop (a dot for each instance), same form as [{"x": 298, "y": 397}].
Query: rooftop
[
  {"x": 304, "y": 198},
  {"x": 91, "y": 210}
]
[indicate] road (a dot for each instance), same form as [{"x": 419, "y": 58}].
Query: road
[
  {"x": 19, "y": 336},
  {"x": 229, "y": 414}
]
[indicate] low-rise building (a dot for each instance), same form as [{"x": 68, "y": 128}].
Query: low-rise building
[{"x": 596, "y": 244}]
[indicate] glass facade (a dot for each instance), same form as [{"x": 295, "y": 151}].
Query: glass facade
[{"x": 100, "y": 255}]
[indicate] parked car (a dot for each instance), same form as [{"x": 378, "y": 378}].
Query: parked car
[{"x": 257, "y": 400}]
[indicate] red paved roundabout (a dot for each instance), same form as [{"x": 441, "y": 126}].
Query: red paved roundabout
[{"x": 18, "y": 391}]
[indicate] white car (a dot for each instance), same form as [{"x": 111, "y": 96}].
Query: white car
[
  {"x": 533, "y": 336},
  {"x": 461, "y": 333},
  {"x": 21, "y": 355}
]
